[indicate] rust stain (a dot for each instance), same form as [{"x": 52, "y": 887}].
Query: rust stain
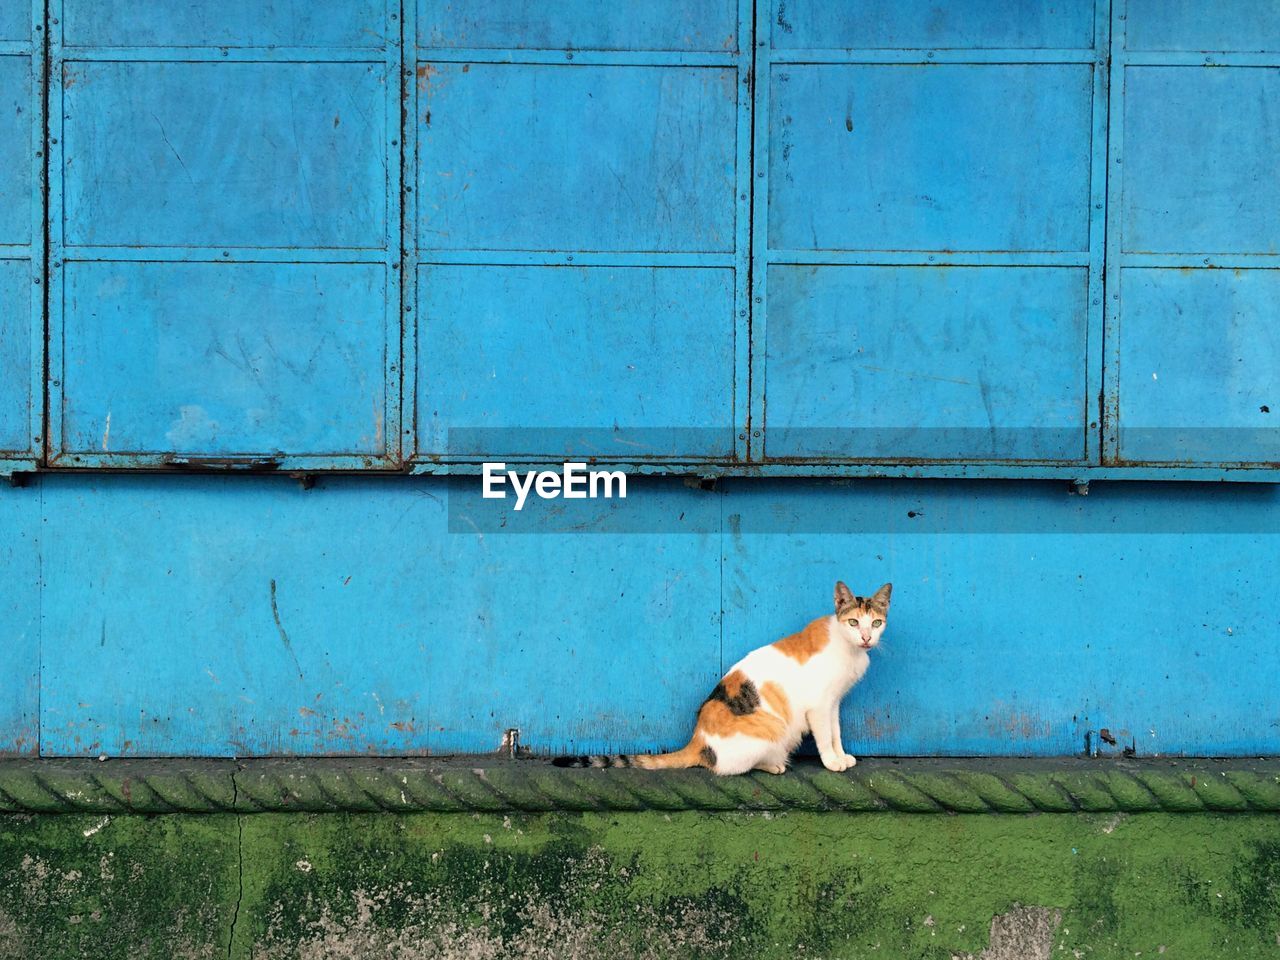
[
  {"x": 1019, "y": 724},
  {"x": 876, "y": 729}
]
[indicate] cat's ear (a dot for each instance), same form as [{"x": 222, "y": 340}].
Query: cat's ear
[
  {"x": 844, "y": 597},
  {"x": 881, "y": 596}
]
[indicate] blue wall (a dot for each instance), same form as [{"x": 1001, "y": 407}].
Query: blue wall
[
  {"x": 955, "y": 238},
  {"x": 245, "y": 616}
]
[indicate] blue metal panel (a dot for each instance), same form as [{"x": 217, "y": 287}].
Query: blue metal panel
[
  {"x": 242, "y": 616},
  {"x": 519, "y": 156},
  {"x": 19, "y": 620},
  {"x": 615, "y": 139},
  {"x": 900, "y": 139},
  {"x": 156, "y": 363},
  {"x": 618, "y": 361},
  {"x": 16, "y": 351},
  {"x": 15, "y": 20},
  {"x": 1195, "y": 391},
  {"x": 1203, "y": 25},
  {"x": 1023, "y": 616},
  {"x": 893, "y": 362},
  {"x": 227, "y": 23},
  {"x": 21, "y": 233},
  {"x": 225, "y": 228},
  {"x": 579, "y": 25},
  {"x": 937, "y": 24},
  {"x": 960, "y": 157},
  {"x": 224, "y": 154},
  {"x": 1192, "y": 358},
  {"x": 15, "y": 150},
  {"x": 1200, "y": 161}
]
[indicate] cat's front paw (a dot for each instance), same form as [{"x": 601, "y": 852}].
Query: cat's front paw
[{"x": 840, "y": 763}]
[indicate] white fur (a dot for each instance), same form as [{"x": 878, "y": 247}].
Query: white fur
[{"x": 814, "y": 689}]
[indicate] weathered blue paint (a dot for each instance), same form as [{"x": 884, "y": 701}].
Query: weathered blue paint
[
  {"x": 225, "y": 233},
  {"x": 21, "y": 233},
  {"x": 909, "y": 381},
  {"x": 580, "y": 229},
  {"x": 645, "y": 353},
  {"x": 930, "y": 210},
  {"x": 714, "y": 238},
  {"x": 348, "y": 24},
  {"x": 1193, "y": 351},
  {"x": 238, "y": 616},
  {"x": 20, "y": 536}
]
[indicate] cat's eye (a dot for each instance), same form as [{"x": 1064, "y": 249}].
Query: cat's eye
[
  {"x": 853, "y": 623},
  {"x": 877, "y": 623}
]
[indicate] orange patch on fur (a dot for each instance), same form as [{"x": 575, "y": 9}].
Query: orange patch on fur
[
  {"x": 733, "y": 682},
  {"x": 776, "y": 698},
  {"x": 716, "y": 719},
  {"x": 809, "y": 641}
]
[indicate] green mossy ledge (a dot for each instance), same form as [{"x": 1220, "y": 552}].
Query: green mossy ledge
[{"x": 497, "y": 785}]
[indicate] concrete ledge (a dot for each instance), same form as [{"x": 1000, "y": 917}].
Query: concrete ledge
[{"x": 495, "y": 785}]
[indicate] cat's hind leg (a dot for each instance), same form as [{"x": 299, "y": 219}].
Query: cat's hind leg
[{"x": 739, "y": 753}]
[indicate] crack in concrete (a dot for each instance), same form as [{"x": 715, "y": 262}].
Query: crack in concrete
[{"x": 235, "y": 913}]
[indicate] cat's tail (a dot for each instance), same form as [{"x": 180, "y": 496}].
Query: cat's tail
[{"x": 694, "y": 754}]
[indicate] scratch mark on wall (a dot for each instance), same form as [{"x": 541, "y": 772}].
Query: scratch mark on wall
[
  {"x": 106, "y": 433},
  {"x": 165, "y": 137},
  {"x": 284, "y": 637},
  {"x": 912, "y": 375}
]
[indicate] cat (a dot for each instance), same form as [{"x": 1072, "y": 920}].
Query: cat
[{"x": 773, "y": 696}]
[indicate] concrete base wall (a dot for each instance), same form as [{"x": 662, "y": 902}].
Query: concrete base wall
[{"x": 639, "y": 885}]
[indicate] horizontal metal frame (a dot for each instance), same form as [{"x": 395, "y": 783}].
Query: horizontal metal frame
[
  {"x": 928, "y": 55},
  {"x": 580, "y": 258},
  {"x": 226, "y": 54},
  {"x": 930, "y": 258},
  {"x": 610, "y": 58},
  {"x": 956, "y": 470},
  {"x": 85, "y": 253}
]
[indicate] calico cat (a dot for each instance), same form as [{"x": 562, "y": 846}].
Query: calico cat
[{"x": 773, "y": 696}]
